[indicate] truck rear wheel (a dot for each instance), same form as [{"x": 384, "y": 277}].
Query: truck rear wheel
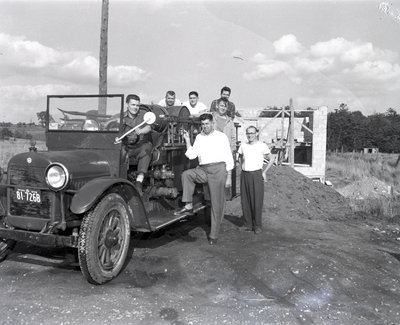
[
  {"x": 6, "y": 246},
  {"x": 103, "y": 245}
]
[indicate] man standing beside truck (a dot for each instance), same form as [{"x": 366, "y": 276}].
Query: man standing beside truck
[{"x": 212, "y": 149}]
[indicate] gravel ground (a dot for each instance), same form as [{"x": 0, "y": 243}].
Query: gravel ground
[{"x": 315, "y": 263}]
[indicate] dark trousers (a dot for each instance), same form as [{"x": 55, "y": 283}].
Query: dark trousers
[
  {"x": 142, "y": 155},
  {"x": 252, "y": 197},
  {"x": 215, "y": 176}
]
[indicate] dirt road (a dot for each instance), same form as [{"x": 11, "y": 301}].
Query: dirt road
[{"x": 314, "y": 263}]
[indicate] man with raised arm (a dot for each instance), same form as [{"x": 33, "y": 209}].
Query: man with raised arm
[{"x": 213, "y": 151}]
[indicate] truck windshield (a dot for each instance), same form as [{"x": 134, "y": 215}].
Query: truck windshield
[{"x": 81, "y": 113}]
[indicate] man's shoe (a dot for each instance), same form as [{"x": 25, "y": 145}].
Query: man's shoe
[
  {"x": 245, "y": 228},
  {"x": 258, "y": 231},
  {"x": 184, "y": 211},
  {"x": 212, "y": 241}
]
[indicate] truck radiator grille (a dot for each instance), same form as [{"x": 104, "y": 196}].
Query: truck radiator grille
[
  {"x": 23, "y": 176},
  {"x": 31, "y": 177}
]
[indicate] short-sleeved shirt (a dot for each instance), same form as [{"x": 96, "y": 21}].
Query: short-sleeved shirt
[
  {"x": 132, "y": 139},
  {"x": 200, "y": 108},
  {"x": 163, "y": 102},
  {"x": 253, "y": 155}
]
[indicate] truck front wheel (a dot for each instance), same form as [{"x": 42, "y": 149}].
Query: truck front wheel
[{"x": 104, "y": 237}]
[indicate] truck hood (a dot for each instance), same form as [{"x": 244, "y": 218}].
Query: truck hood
[{"x": 80, "y": 163}]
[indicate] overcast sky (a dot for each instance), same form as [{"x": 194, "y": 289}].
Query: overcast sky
[{"x": 317, "y": 52}]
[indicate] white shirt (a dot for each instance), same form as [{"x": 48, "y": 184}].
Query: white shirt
[
  {"x": 200, "y": 108},
  {"x": 253, "y": 155},
  {"x": 163, "y": 103},
  {"x": 211, "y": 148}
]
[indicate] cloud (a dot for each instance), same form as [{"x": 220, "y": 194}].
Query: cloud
[
  {"x": 333, "y": 47},
  {"x": 32, "y": 92},
  {"x": 18, "y": 51},
  {"x": 259, "y": 58},
  {"x": 271, "y": 69},
  {"x": 287, "y": 45},
  {"x": 86, "y": 70},
  {"x": 268, "y": 69},
  {"x": 306, "y": 65},
  {"x": 376, "y": 70},
  {"x": 350, "y": 52},
  {"x": 357, "y": 65},
  {"x": 21, "y": 56},
  {"x": 202, "y": 65}
]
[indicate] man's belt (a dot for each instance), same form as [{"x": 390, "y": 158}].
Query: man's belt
[{"x": 212, "y": 164}]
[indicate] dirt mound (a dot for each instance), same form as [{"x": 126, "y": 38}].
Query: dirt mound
[
  {"x": 289, "y": 193},
  {"x": 369, "y": 187}
]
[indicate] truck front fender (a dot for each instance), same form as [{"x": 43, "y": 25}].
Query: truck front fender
[{"x": 89, "y": 194}]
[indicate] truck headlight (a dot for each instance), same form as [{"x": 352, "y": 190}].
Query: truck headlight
[{"x": 57, "y": 176}]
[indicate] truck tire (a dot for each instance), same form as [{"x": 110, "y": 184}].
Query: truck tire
[
  {"x": 6, "y": 246},
  {"x": 104, "y": 237}
]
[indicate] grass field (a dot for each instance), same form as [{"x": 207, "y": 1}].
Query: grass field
[
  {"x": 356, "y": 166},
  {"x": 347, "y": 168},
  {"x": 37, "y": 132},
  {"x": 9, "y": 148}
]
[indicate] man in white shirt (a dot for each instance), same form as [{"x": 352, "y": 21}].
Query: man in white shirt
[
  {"x": 195, "y": 107},
  {"x": 212, "y": 149},
  {"x": 252, "y": 154},
  {"x": 170, "y": 100}
]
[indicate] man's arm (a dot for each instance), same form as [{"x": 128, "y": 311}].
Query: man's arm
[
  {"x": 213, "y": 106},
  {"x": 232, "y": 110},
  {"x": 271, "y": 161},
  {"x": 228, "y": 157},
  {"x": 227, "y": 153},
  {"x": 190, "y": 150},
  {"x": 144, "y": 130},
  {"x": 233, "y": 136}
]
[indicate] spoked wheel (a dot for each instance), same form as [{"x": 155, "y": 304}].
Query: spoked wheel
[
  {"x": 6, "y": 246},
  {"x": 104, "y": 237}
]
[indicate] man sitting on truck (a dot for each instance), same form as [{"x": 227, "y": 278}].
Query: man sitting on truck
[{"x": 138, "y": 143}]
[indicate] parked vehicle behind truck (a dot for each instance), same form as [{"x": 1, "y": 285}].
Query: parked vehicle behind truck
[{"x": 80, "y": 192}]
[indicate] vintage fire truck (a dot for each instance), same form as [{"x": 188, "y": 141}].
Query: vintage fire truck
[{"x": 80, "y": 192}]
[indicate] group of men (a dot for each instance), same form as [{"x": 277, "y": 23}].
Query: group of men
[
  {"x": 196, "y": 107},
  {"x": 213, "y": 148}
]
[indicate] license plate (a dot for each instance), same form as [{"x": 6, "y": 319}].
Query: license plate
[{"x": 27, "y": 195}]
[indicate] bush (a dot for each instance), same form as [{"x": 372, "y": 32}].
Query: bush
[{"x": 6, "y": 133}]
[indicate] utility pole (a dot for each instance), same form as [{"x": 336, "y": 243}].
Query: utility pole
[{"x": 103, "y": 57}]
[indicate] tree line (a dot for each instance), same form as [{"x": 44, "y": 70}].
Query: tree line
[
  {"x": 6, "y": 133},
  {"x": 352, "y": 131}
]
